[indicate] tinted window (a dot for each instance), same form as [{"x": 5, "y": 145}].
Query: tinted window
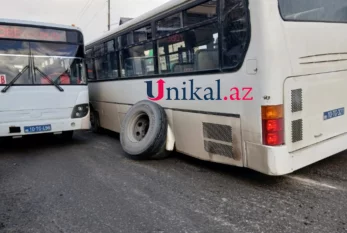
[
  {"x": 90, "y": 68},
  {"x": 48, "y": 60},
  {"x": 98, "y": 50},
  {"x": 314, "y": 10},
  {"x": 11, "y": 64},
  {"x": 127, "y": 39},
  {"x": 193, "y": 50},
  {"x": 138, "y": 61},
  {"x": 89, "y": 53},
  {"x": 110, "y": 46},
  {"x": 236, "y": 32},
  {"x": 143, "y": 34},
  {"x": 110, "y": 61},
  {"x": 98, "y": 68},
  {"x": 14, "y": 47},
  {"x": 169, "y": 24},
  {"x": 90, "y": 65},
  {"x": 52, "y": 49},
  {"x": 200, "y": 13}
]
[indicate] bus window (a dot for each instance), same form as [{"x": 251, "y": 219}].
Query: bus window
[
  {"x": 317, "y": 10},
  {"x": 111, "y": 60},
  {"x": 169, "y": 24},
  {"x": 90, "y": 69},
  {"x": 98, "y": 68},
  {"x": 143, "y": 34},
  {"x": 90, "y": 65},
  {"x": 200, "y": 13},
  {"x": 235, "y": 29},
  {"x": 193, "y": 50},
  {"x": 99, "y": 52},
  {"x": 127, "y": 39},
  {"x": 138, "y": 60}
]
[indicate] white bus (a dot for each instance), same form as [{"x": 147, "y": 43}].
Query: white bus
[
  {"x": 43, "y": 87},
  {"x": 260, "y": 84}
]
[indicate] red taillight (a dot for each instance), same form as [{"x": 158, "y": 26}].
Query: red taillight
[
  {"x": 273, "y": 125},
  {"x": 274, "y": 139}
]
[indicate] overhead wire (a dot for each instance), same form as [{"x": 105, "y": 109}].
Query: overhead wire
[
  {"x": 96, "y": 13},
  {"x": 84, "y": 10}
]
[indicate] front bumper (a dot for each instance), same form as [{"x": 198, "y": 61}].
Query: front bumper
[{"x": 57, "y": 125}]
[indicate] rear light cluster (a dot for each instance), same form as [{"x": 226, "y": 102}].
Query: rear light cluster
[
  {"x": 273, "y": 125},
  {"x": 80, "y": 111}
]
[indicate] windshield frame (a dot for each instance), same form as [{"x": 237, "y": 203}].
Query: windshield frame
[
  {"x": 305, "y": 21},
  {"x": 79, "y": 42}
]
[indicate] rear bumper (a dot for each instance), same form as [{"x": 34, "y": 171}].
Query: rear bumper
[
  {"x": 277, "y": 161},
  {"x": 58, "y": 125}
]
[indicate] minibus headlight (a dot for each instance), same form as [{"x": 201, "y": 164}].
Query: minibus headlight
[{"x": 80, "y": 111}]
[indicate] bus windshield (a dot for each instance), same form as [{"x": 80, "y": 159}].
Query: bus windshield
[
  {"x": 61, "y": 63},
  {"x": 314, "y": 10}
]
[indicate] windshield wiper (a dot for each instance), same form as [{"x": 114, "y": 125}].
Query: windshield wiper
[
  {"x": 45, "y": 76},
  {"x": 15, "y": 79},
  {"x": 49, "y": 79}
]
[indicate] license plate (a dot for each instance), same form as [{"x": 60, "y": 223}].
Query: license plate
[
  {"x": 334, "y": 113},
  {"x": 37, "y": 128}
]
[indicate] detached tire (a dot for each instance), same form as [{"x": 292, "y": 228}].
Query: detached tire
[{"x": 143, "y": 131}]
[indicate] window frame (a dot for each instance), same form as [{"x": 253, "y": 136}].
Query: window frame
[
  {"x": 153, "y": 23},
  {"x": 186, "y": 29},
  {"x": 91, "y": 58},
  {"x": 304, "y": 21},
  {"x": 115, "y": 56},
  {"x": 249, "y": 35},
  {"x": 184, "y": 13}
]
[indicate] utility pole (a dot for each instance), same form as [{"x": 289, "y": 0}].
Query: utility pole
[{"x": 109, "y": 14}]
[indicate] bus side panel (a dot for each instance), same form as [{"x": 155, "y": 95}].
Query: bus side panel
[
  {"x": 111, "y": 117},
  {"x": 211, "y": 138},
  {"x": 315, "y": 108},
  {"x": 108, "y": 115},
  {"x": 122, "y": 110}
]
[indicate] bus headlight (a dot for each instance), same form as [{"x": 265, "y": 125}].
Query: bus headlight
[{"x": 80, "y": 111}]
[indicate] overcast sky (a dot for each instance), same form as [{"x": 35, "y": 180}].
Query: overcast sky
[{"x": 90, "y": 15}]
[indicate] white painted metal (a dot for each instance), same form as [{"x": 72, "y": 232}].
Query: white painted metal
[
  {"x": 39, "y": 24},
  {"x": 272, "y": 67},
  {"x": 35, "y": 105}
]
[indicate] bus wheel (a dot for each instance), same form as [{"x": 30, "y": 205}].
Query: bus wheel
[
  {"x": 144, "y": 130},
  {"x": 95, "y": 122}
]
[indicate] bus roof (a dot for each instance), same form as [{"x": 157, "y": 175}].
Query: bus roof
[
  {"x": 155, "y": 12},
  {"x": 35, "y": 23}
]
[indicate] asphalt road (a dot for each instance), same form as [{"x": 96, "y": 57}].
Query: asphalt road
[{"x": 86, "y": 185}]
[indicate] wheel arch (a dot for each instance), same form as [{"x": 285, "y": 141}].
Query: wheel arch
[{"x": 170, "y": 138}]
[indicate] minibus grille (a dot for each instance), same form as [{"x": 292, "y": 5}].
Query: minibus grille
[
  {"x": 218, "y": 139},
  {"x": 217, "y": 132},
  {"x": 297, "y": 100},
  {"x": 218, "y": 149},
  {"x": 297, "y": 130},
  {"x": 297, "y": 106}
]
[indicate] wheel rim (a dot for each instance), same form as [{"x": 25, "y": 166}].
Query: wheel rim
[{"x": 139, "y": 127}]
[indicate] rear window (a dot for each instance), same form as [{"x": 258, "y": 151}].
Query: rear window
[{"x": 314, "y": 10}]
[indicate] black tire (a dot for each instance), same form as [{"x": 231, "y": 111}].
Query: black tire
[
  {"x": 95, "y": 121},
  {"x": 143, "y": 131}
]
